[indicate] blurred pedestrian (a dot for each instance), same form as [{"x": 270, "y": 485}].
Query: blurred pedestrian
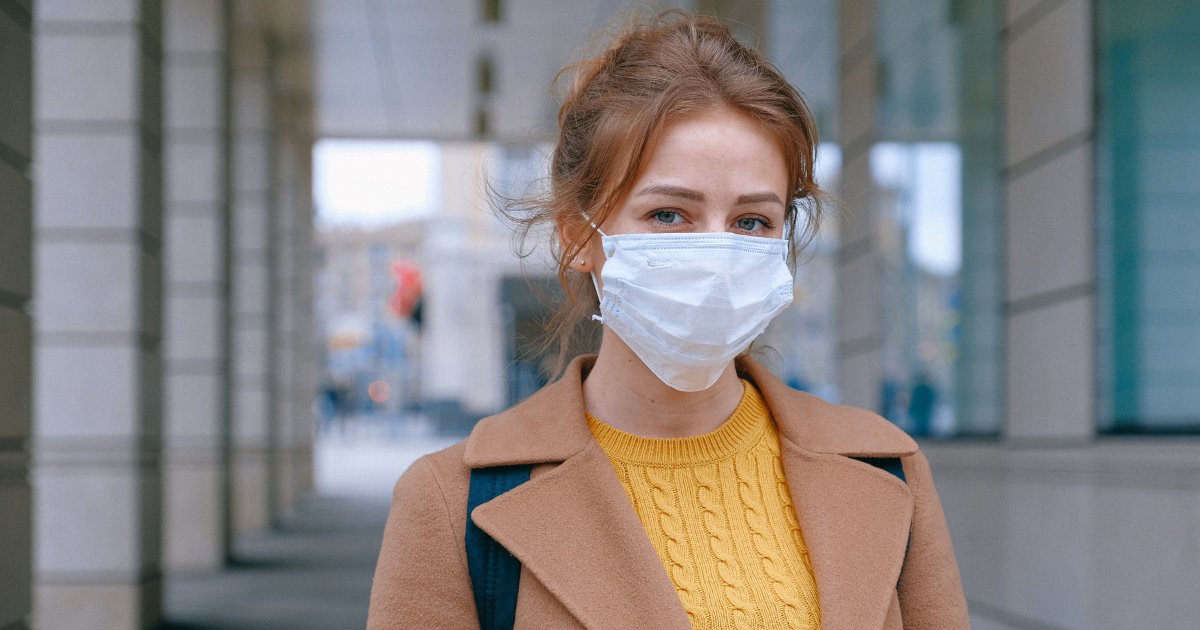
[
  {"x": 920, "y": 407},
  {"x": 670, "y": 481}
]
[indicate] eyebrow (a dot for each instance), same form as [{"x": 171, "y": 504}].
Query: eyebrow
[
  {"x": 673, "y": 191},
  {"x": 697, "y": 196},
  {"x": 759, "y": 197}
]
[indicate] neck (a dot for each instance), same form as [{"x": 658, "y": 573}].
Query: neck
[{"x": 623, "y": 393}]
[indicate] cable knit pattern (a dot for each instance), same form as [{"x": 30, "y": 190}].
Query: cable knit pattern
[
  {"x": 719, "y": 513},
  {"x": 713, "y": 516},
  {"x": 677, "y": 557},
  {"x": 765, "y": 542}
]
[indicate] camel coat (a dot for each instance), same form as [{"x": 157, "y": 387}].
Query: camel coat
[{"x": 588, "y": 563}]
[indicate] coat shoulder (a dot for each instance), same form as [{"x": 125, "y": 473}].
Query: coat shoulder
[
  {"x": 449, "y": 458},
  {"x": 441, "y": 473},
  {"x": 421, "y": 579}
]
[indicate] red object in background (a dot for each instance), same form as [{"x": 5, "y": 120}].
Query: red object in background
[
  {"x": 379, "y": 391},
  {"x": 408, "y": 287}
]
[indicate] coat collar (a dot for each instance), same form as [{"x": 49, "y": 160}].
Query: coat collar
[
  {"x": 574, "y": 528},
  {"x": 550, "y": 427}
]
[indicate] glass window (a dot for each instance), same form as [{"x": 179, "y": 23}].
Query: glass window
[
  {"x": 938, "y": 202},
  {"x": 937, "y": 171},
  {"x": 1148, "y": 199},
  {"x": 801, "y": 40}
]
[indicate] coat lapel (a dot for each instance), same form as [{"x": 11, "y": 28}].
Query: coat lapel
[
  {"x": 855, "y": 520},
  {"x": 854, "y": 517},
  {"x": 574, "y": 528}
]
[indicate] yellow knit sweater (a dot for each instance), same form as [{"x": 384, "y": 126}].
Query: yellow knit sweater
[{"x": 718, "y": 511}]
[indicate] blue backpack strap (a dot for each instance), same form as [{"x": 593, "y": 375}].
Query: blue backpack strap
[
  {"x": 495, "y": 573},
  {"x": 890, "y": 464}
]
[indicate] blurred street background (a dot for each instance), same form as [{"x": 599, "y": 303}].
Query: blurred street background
[{"x": 250, "y": 270}]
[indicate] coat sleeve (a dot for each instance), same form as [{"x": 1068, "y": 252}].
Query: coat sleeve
[
  {"x": 421, "y": 580},
  {"x": 930, "y": 590}
]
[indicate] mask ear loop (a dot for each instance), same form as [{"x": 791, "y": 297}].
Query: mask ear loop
[
  {"x": 599, "y": 318},
  {"x": 594, "y": 226}
]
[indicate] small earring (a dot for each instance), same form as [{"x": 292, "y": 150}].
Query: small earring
[{"x": 577, "y": 260}]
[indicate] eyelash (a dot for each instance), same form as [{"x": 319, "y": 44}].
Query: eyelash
[
  {"x": 766, "y": 225},
  {"x": 657, "y": 214}
]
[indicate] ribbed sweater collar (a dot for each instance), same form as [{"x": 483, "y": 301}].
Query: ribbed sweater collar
[{"x": 740, "y": 432}]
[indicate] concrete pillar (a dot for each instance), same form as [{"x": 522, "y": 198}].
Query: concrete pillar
[
  {"x": 294, "y": 359},
  {"x": 272, "y": 244},
  {"x": 252, "y": 287},
  {"x": 1049, "y": 222},
  {"x": 860, "y": 264},
  {"x": 463, "y": 260},
  {"x": 98, "y": 390},
  {"x": 283, "y": 324},
  {"x": 304, "y": 340},
  {"x": 196, "y": 343},
  {"x": 284, "y": 251},
  {"x": 16, "y": 327}
]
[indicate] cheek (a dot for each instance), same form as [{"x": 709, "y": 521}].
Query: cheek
[{"x": 619, "y": 222}]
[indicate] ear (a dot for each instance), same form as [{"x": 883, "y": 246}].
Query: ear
[{"x": 578, "y": 260}]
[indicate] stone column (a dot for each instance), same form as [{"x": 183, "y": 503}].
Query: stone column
[
  {"x": 860, "y": 264},
  {"x": 252, "y": 221},
  {"x": 295, "y": 379},
  {"x": 1048, "y": 102},
  {"x": 98, "y": 391},
  {"x": 16, "y": 327},
  {"x": 462, "y": 338},
  {"x": 282, "y": 326},
  {"x": 295, "y": 374},
  {"x": 196, "y": 348},
  {"x": 305, "y": 338}
]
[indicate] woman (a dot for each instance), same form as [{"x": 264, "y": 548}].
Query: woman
[{"x": 673, "y": 482}]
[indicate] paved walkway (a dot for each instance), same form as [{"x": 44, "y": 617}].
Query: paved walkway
[{"x": 313, "y": 572}]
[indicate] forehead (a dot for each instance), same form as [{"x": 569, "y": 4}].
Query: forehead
[{"x": 718, "y": 147}]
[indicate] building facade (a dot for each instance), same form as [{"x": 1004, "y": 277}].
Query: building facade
[
  {"x": 156, "y": 357},
  {"x": 1076, "y": 505}
]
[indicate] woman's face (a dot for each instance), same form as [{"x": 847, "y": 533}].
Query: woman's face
[{"x": 715, "y": 172}]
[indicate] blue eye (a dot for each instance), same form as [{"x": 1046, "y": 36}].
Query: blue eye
[
  {"x": 749, "y": 224},
  {"x": 667, "y": 216}
]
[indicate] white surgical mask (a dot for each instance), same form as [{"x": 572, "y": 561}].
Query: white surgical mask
[{"x": 687, "y": 304}]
